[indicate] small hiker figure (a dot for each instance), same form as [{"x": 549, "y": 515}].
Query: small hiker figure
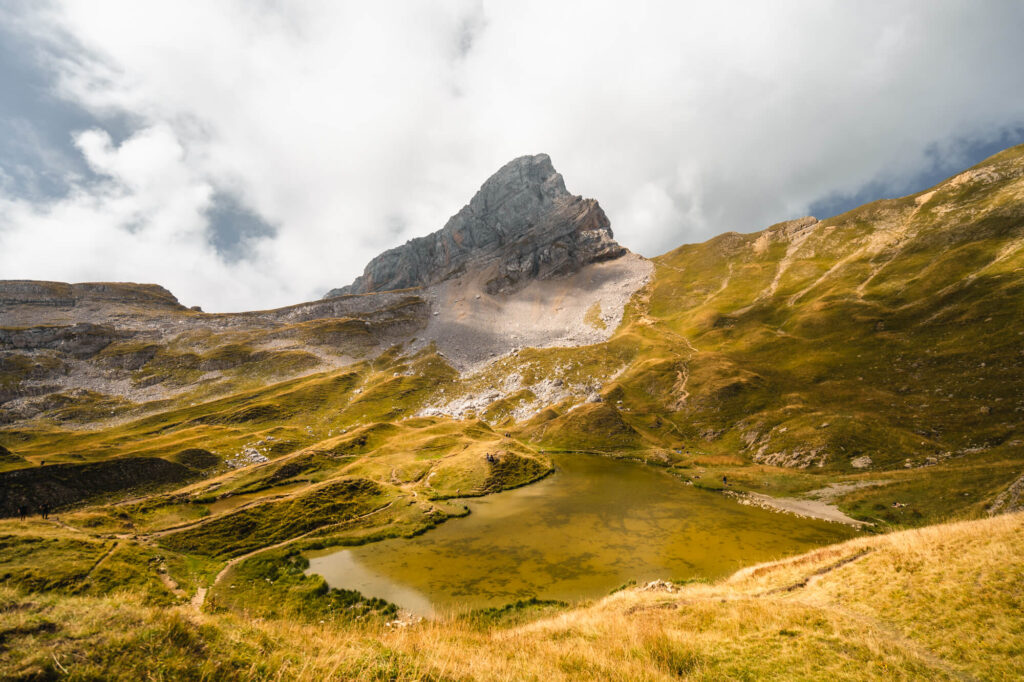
[
  {"x": 725, "y": 480},
  {"x": 44, "y": 510},
  {"x": 22, "y": 512}
]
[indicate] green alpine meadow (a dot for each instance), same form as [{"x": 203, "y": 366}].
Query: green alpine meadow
[{"x": 515, "y": 450}]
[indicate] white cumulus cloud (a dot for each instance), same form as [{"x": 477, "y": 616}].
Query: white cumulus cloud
[{"x": 348, "y": 128}]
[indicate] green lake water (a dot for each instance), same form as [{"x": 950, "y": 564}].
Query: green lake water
[{"x": 594, "y": 525}]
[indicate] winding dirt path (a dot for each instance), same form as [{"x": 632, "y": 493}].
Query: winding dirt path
[
  {"x": 811, "y": 578},
  {"x": 200, "y": 596},
  {"x": 200, "y": 522},
  {"x": 103, "y": 558}
]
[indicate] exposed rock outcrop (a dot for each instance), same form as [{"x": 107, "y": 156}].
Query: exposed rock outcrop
[
  {"x": 1010, "y": 500},
  {"x": 62, "y": 295},
  {"x": 79, "y": 340},
  {"x": 522, "y": 225}
]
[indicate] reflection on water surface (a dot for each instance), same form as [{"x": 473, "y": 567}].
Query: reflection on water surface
[{"x": 594, "y": 525}]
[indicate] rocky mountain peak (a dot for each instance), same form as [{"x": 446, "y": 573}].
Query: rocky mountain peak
[
  {"x": 522, "y": 224},
  {"x": 530, "y": 180}
]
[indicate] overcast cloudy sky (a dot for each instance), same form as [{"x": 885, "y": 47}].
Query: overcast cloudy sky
[{"x": 254, "y": 154}]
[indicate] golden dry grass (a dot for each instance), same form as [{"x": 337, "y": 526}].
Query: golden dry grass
[{"x": 943, "y": 602}]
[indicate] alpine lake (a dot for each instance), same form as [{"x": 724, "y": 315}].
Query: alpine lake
[{"x": 594, "y": 525}]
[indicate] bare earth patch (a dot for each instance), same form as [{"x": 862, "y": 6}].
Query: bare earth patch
[
  {"x": 473, "y": 328},
  {"x": 809, "y": 508}
]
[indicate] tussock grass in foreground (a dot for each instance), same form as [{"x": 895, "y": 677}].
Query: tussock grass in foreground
[{"x": 939, "y": 603}]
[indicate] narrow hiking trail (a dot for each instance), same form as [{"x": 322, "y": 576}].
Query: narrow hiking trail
[
  {"x": 679, "y": 388},
  {"x": 214, "y": 517},
  {"x": 200, "y": 597},
  {"x": 170, "y": 583},
  {"x": 162, "y": 572},
  {"x": 103, "y": 558}
]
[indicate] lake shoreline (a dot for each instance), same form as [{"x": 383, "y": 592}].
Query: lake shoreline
[
  {"x": 596, "y": 525},
  {"x": 808, "y": 509}
]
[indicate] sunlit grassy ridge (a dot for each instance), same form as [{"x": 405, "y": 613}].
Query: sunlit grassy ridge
[{"x": 889, "y": 337}]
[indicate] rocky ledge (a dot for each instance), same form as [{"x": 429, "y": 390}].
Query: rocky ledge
[
  {"x": 15, "y": 292},
  {"x": 522, "y": 225}
]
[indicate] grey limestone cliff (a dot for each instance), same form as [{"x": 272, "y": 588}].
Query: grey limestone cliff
[
  {"x": 522, "y": 224},
  {"x": 62, "y": 295}
]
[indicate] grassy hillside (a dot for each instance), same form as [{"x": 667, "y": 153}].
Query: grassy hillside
[
  {"x": 940, "y": 603},
  {"x": 874, "y": 361},
  {"x": 884, "y": 345}
]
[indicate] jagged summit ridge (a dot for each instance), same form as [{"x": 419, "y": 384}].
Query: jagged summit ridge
[{"x": 522, "y": 223}]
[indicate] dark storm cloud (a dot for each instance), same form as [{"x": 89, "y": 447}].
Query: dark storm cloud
[
  {"x": 234, "y": 228},
  {"x": 37, "y": 157},
  {"x": 967, "y": 153}
]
